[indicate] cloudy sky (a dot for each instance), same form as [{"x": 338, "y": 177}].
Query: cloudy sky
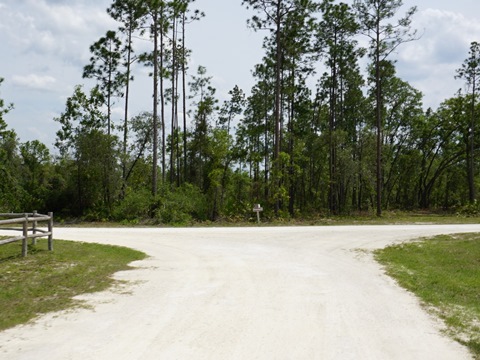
[{"x": 45, "y": 44}]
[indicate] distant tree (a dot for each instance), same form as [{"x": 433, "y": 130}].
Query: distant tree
[
  {"x": 179, "y": 18},
  {"x": 272, "y": 15},
  {"x": 157, "y": 17},
  {"x": 217, "y": 164},
  {"x": 9, "y": 187},
  {"x": 4, "y": 109},
  {"x": 259, "y": 119},
  {"x": 470, "y": 72},
  {"x": 232, "y": 108},
  {"x": 254, "y": 134},
  {"x": 36, "y": 164},
  {"x": 289, "y": 23},
  {"x": 82, "y": 138},
  {"x": 437, "y": 141},
  {"x": 385, "y": 38},
  {"x": 186, "y": 17},
  {"x": 105, "y": 67},
  {"x": 299, "y": 55},
  {"x": 335, "y": 40},
  {"x": 140, "y": 147},
  {"x": 129, "y": 13},
  {"x": 402, "y": 111},
  {"x": 203, "y": 95},
  {"x": 82, "y": 114}
]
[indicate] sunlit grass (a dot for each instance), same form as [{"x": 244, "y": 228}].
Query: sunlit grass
[
  {"x": 444, "y": 272},
  {"x": 46, "y": 281}
]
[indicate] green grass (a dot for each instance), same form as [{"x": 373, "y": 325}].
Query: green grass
[
  {"x": 399, "y": 218},
  {"x": 444, "y": 272},
  {"x": 46, "y": 281},
  {"x": 388, "y": 218}
]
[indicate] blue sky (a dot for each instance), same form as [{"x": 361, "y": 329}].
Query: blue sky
[{"x": 45, "y": 44}]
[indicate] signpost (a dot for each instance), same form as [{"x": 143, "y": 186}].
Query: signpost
[{"x": 257, "y": 208}]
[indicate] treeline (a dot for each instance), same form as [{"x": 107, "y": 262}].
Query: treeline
[{"x": 357, "y": 141}]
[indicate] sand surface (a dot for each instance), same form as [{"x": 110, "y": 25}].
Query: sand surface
[{"x": 294, "y": 293}]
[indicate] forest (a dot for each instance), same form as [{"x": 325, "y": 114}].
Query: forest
[{"x": 358, "y": 141}]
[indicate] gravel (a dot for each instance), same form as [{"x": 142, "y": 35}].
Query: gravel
[{"x": 244, "y": 293}]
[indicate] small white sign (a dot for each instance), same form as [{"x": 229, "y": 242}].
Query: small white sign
[{"x": 257, "y": 208}]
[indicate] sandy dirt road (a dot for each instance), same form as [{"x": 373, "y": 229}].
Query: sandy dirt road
[{"x": 244, "y": 293}]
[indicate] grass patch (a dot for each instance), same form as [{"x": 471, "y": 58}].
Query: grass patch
[
  {"x": 46, "y": 281},
  {"x": 444, "y": 272},
  {"x": 388, "y": 218}
]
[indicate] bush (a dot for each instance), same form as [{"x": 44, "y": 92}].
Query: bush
[
  {"x": 470, "y": 209},
  {"x": 181, "y": 206},
  {"x": 135, "y": 205}
]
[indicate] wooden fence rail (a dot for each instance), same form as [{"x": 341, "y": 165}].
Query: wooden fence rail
[{"x": 29, "y": 228}]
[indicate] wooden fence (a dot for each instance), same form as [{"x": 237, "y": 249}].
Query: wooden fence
[{"x": 29, "y": 228}]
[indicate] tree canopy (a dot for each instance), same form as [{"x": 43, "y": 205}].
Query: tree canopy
[{"x": 316, "y": 135}]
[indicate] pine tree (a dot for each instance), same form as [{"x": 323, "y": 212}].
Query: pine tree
[
  {"x": 384, "y": 37},
  {"x": 129, "y": 13},
  {"x": 470, "y": 72},
  {"x": 105, "y": 67}
]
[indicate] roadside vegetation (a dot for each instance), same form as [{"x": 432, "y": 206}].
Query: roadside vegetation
[
  {"x": 269, "y": 219},
  {"x": 359, "y": 141},
  {"x": 444, "y": 272},
  {"x": 48, "y": 281}
]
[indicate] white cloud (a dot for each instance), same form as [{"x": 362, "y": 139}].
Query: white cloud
[
  {"x": 35, "y": 82},
  {"x": 62, "y": 30},
  {"x": 429, "y": 63}
]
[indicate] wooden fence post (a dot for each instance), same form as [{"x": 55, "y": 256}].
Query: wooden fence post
[
  {"x": 25, "y": 236},
  {"x": 34, "y": 228},
  {"x": 23, "y": 219},
  {"x": 50, "y": 230}
]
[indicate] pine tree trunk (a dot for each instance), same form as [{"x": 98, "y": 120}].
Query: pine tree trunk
[
  {"x": 278, "y": 68},
  {"x": 378, "y": 113},
  {"x": 155, "y": 105}
]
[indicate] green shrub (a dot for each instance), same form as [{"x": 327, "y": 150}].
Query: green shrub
[
  {"x": 470, "y": 209},
  {"x": 181, "y": 206},
  {"x": 135, "y": 205}
]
